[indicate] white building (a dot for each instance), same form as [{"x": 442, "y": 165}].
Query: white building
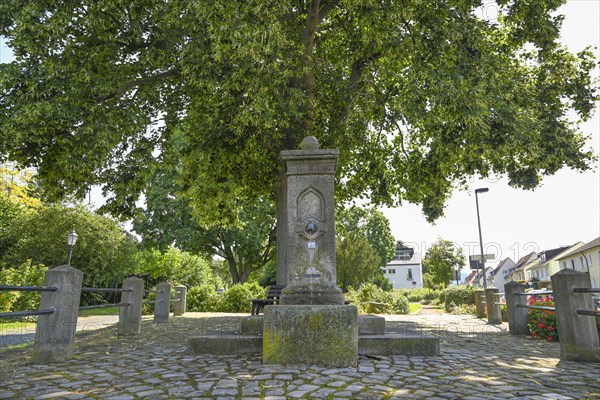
[
  {"x": 405, "y": 271},
  {"x": 496, "y": 276},
  {"x": 585, "y": 258}
]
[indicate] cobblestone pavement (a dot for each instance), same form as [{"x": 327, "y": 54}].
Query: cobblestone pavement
[{"x": 478, "y": 361}]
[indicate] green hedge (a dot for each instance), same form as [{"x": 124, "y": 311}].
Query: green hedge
[
  {"x": 424, "y": 296},
  {"x": 237, "y": 298},
  {"x": 373, "y": 300},
  {"x": 23, "y": 275},
  {"x": 457, "y": 297}
]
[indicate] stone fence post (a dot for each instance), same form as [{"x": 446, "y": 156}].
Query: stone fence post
[
  {"x": 517, "y": 316},
  {"x": 130, "y": 317},
  {"x": 55, "y": 333},
  {"x": 180, "y": 296},
  {"x": 162, "y": 307},
  {"x": 479, "y": 303},
  {"x": 578, "y": 335},
  {"x": 494, "y": 312}
]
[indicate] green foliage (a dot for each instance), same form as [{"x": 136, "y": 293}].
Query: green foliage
[
  {"x": 356, "y": 261},
  {"x": 104, "y": 252},
  {"x": 17, "y": 186},
  {"x": 441, "y": 260},
  {"x": 203, "y": 298},
  {"x": 247, "y": 244},
  {"x": 219, "y": 91},
  {"x": 267, "y": 275},
  {"x": 370, "y": 224},
  {"x": 380, "y": 280},
  {"x": 542, "y": 323},
  {"x": 457, "y": 296},
  {"x": 238, "y": 298},
  {"x": 385, "y": 301},
  {"x": 364, "y": 245},
  {"x": 25, "y": 274},
  {"x": 9, "y": 211},
  {"x": 423, "y": 296},
  {"x": 174, "y": 266}
]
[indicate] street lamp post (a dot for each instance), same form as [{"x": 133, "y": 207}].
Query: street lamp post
[
  {"x": 456, "y": 274},
  {"x": 71, "y": 240},
  {"x": 477, "y": 191}
]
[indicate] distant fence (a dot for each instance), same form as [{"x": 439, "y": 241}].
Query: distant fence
[
  {"x": 577, "y": 329},
  {"x": 59, "y": 309}
]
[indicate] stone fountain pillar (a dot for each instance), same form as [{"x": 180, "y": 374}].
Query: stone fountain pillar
[
  {"x": 310, "y": 255},
  {"x": 311, "y": 325}
]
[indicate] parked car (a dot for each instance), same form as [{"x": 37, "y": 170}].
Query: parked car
[{"x": 539, "y": 295}]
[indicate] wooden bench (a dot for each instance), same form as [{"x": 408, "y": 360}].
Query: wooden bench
[{"x": 273, "y": 294}]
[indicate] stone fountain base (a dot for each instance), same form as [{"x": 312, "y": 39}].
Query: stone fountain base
[{"x": 323, "y": 335}]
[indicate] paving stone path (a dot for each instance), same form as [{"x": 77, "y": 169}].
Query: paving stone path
[
  {"x": 478, "y": 361},
  {"x": 24, "y": 334}
]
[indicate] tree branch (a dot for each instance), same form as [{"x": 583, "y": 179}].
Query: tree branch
[
  {"x": 311, "y": 30},
  {"x": 137, "y": 83},
  {"x": 326, "y": 7}
]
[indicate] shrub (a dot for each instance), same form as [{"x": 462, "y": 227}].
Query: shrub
[
  {"x": 457, "y": 296},
  {"x": 400, "y": 304},
  {"x": 385, "y": 302},
  {"x": 464, "y": 309},
  {"x": 424, "y": 296},
  {"x": 238, "y": 298},
  {"x": 24, "y": 275},
  {"x": 542, "y": 323},
  {"x": 203, "y": 298}
]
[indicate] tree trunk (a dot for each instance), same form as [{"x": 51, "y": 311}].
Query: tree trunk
[
  {"x": 281, "y": 208},
  {"x": 233, "y": 270}
]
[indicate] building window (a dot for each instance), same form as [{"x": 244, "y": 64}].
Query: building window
[
  {"x": 404, "y": 253},
  {"x": 591, "y": 262},
  {"x": 391, "y": 271},
  {"x": 409, "y": 275},
  {"x": 564, "y": 265},
  {"x": 581, "y": 261},
  {"x": 599, "y": 258},
  {"x": 572, "y": 263}
]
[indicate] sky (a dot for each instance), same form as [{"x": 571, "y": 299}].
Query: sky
[{"x": 563, "y": 211}]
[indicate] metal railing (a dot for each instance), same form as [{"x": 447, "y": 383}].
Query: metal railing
[
  {"x": 63, "y": 285},
  {"x": 578, "y": 337},
  {"x": 27, "y": 313}
]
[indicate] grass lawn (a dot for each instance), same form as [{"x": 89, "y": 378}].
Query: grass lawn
[
  {"x": 414, "y": 307},
  {"x": 14, "y": 326},
  {"x": 99, "y": 311}
]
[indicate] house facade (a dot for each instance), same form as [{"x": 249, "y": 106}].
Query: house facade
[
  {"x": 517, "y": 273},
  {"x": 405, "y": 270},
  {"x": 547, "y": 265},
  {"x": 496, "y": 276},
  {"x": 585, "y": 258}
]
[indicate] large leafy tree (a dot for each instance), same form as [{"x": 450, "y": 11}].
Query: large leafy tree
[
  {"x": 357, "y": 261},
  {"x": 418, "y": 95},
  {"x": 246, "y": 246},
  {"x": 104, "y": 252},
  {"x": 370, "y": 224},
  {"x": 440, "y": 262},
  {"x": 364, "y": 245}
]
